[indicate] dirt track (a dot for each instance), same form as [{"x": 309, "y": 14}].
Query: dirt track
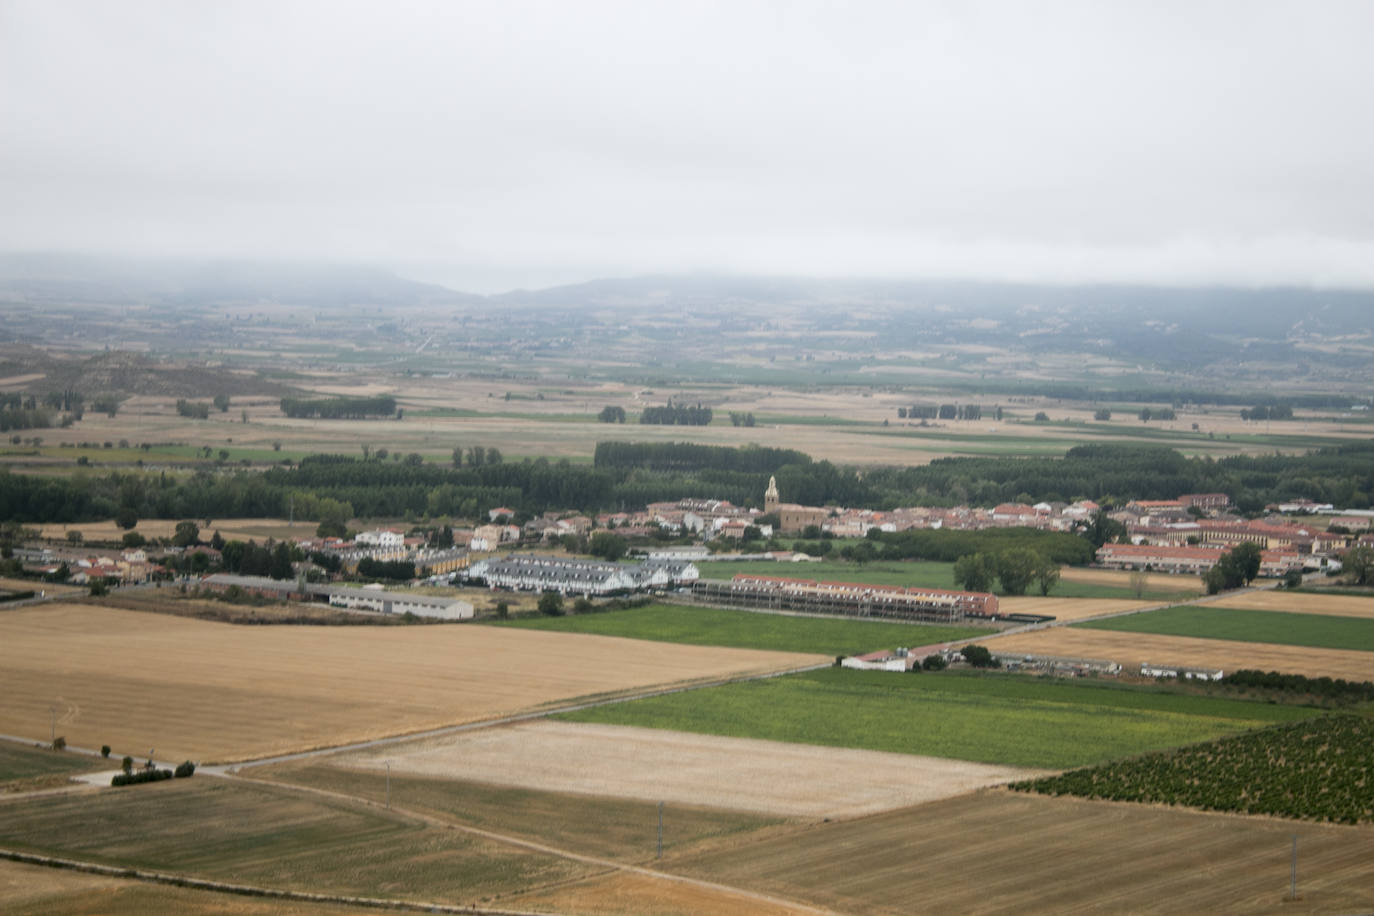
[{"x": 651, "y": 765}]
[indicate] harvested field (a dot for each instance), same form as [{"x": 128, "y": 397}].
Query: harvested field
[
  {"x": 215, "y": 692},
  {"x": 1119, "y": 578},
  {"x": 35, "y": 586},
  {"x": 1300, "y": 603},
  {"x": 622, "y": 829},
  {"x": 1130, "y": 649},
  {"x": 1070, "y": 608},
  {"x": 1003, "y": 852},
  {"x": 236, "y": 528},
  {"x": 623, "y": 894},
  {"x": 651, "y": 764},
  {"x": 271, "y": 836},
  {"x": 40, "y": 891}
]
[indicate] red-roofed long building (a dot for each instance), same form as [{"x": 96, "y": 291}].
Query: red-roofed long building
[{"x": 851, "y": 598}]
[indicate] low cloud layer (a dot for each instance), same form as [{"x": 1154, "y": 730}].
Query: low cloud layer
[{"x": 491, "y": 145}]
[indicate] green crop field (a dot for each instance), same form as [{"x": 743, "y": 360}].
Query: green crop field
[
  {"x": 904, "y": 573},
  {"x": 21, "y": 761},
  {"x": 1279, "y": 627},
  {"x": 1007, "y": 719},
  {"x": 751, "y": 630},
  {"x": 1318, "y": 769},
  {"x": 618, "y": 828},
  {"x": 274, "y": 837}
]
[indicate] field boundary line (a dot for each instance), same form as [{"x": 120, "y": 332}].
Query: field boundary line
[
  {"x": 535, "y": 846},
  {"x": 250, "y": 890}
]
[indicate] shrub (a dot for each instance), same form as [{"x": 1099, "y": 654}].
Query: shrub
[
  {"x": 104, "y": 750},
  {"x": 184, "y": 770},
  {"x": 127, "y": 765},
  {"x": 551, "y": 604},
  {"x": 141, "y": 776},
  {"x": 59, "y": 743},
  {"x": 934, "y": 662}
]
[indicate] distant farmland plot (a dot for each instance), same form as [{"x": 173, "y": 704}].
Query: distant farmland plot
[
  {"x": 213, "y": 691},
  {"x": 1301, "y": 603},
  {"x": 1006, "y": 719},
  {"x": 704, "y": 626},
  {"x": 1279, "y": 627}
]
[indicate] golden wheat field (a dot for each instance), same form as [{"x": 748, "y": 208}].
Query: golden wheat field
[
  {"x": 1070, "y": 608},
  {"x": 1131, "y": 649},
  {"x": 231, "y": 529},
  {"x": 1302, "y": 603},
  {"x": 220, "y": 692},
  {"x": 1120, "y": 578}
]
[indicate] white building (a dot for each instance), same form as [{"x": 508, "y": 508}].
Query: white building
[{"x": 381, "y": 537}]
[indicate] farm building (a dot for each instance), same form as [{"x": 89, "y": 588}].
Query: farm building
[
  {"x": 568, "y": 576},
  {"x": 376, "y": 600},
  {"x": 1181, "y": 672},
  {"x": 859, "y": 600}
]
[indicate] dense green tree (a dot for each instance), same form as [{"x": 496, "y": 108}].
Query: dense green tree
[
  {"x": 551, "y": 604},
  {"x": 979, "y": 657},
  {"x": 126, "y": 517},
  {"x": 1358, "y": 565},
  {"x": 607, "y": 546},
  {"x": 611, "y": 414},
  {"x": 1016, "y": 569},
  {"x": 973, "y": 573},
  {"x": 186, "y": 534},
  {"x": 1046, "y": 575}
]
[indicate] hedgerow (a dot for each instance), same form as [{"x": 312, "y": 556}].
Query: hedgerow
[{"x": 1320, "y": 769}]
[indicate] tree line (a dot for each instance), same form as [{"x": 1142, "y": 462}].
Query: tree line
[
  {"x": 631, "y": 475},
  {"x": 359, "y": 408},
  {"x": 676, "y": 415}
]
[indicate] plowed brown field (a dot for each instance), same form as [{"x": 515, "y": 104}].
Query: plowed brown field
[
  {"x": 214, "y": 692},
  {"x": 1301, "y": 603},
  {"x": 1130, "y": 649},
  {"x": 1002, "y": 852},
  {"x": 1070, "y": 608}
]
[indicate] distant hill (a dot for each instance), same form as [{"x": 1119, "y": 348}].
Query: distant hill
[
  {"x": 1270, "y": 312},
  {"x": 114, "y": 281}
]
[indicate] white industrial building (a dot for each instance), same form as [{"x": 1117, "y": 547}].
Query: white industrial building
[{"x": 570, "y": 576}]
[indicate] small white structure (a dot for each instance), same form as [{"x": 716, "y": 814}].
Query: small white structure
[{"x": 381, "y": 537}]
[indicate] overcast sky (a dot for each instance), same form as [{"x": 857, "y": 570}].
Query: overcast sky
[{"x": 495, "y": 143}]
